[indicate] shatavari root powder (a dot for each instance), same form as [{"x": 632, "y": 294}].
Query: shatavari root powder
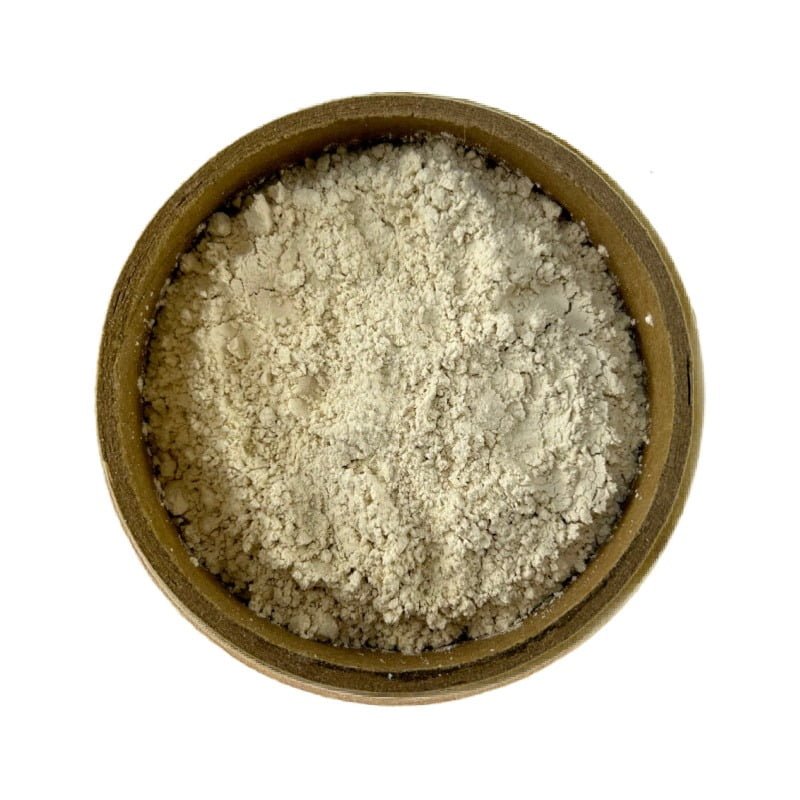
[{"x": 393, "y": 399}]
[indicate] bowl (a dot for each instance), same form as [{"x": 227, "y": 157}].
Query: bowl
[{"x": 654, "y": 296}]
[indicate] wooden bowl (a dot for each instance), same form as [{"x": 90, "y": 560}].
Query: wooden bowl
[{"x": 650, "y": 287}]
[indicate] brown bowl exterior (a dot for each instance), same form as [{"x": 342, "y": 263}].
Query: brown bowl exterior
[{"x": 649, "y": 285}]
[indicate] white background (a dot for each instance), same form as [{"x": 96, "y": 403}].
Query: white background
[{"x": 691, "y": 690}]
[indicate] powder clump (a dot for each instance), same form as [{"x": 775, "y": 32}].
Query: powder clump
[{"x": 394, "y": 400}]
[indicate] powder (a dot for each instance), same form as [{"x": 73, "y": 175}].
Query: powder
[{"x": 393, "y": 399}]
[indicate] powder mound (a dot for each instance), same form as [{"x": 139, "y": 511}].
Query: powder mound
[{"x": 393, "y": 399}]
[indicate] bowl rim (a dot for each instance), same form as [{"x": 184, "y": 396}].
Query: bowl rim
[{"x": 372, "y": 676}]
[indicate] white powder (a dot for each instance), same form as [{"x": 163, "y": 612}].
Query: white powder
[{"x": 395, "y": 401}]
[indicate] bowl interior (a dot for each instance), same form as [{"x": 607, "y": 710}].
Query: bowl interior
[{"x": 650, "y": 289}]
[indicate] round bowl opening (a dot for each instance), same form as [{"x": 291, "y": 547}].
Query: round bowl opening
[{"x": 652, "y": 293}]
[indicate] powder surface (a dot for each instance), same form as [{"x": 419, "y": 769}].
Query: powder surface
[{"x": 393, "y": 400}]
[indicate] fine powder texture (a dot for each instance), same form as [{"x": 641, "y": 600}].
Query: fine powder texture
[{"x": 393, "y": 399}]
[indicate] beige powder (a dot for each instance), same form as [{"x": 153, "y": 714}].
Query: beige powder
[{"x": 394, "y": 401}]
